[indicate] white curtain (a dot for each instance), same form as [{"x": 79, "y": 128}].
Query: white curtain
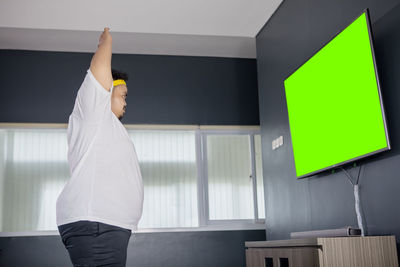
[
  {"x": 168, "y": 165},
  {"x": 34, "y": 170},
  {"x": 230, "y": 187}
]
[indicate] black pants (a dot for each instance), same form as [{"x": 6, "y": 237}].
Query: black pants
[{"x": 95, "y": 243}]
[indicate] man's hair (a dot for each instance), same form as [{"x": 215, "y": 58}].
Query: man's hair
[{"x": 119, "y": 75}]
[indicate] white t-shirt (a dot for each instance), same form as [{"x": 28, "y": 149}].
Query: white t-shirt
[{"x": 106, "y": 183}]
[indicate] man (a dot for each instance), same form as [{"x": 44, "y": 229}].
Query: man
[{"x": 103, "y": 200}]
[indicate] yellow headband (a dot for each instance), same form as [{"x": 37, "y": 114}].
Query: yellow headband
[{"x": 118, "y": 82}]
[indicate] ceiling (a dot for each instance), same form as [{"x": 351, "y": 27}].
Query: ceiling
[{"x": 224, "y": 28}]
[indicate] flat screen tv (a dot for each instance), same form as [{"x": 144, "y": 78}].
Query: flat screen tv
[{"x": 334, "y": 103}]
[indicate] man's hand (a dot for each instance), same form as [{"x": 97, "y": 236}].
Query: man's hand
[{"x": 105, "y": 36}]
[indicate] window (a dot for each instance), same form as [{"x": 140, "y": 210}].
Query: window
[
  {"x": 33, "y": 171},
  {"x": 167, "y": 162},
  {"x": 259, "y": 176},
  {"x": 193, "y": 177},
  {"x": 233, "y": 191}
]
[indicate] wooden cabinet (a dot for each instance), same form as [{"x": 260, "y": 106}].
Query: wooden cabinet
[
  {"x": 283, "y": 257},
  {"x": 370, "y": 251}
]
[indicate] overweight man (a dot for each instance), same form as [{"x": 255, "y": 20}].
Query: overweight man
[{"x": 102, "y": 202}]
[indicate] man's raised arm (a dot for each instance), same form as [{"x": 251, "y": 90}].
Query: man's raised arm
[{"x": 100, "y": 65}]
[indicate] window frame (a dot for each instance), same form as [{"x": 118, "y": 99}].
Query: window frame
[
  {"x": 201, "y": 132},
  {"x": 204, "y": 216}
]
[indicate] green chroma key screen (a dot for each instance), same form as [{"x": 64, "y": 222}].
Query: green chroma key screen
[{"x": 334, "y": 106}]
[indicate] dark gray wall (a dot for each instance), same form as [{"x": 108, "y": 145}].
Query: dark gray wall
[
  {"x": 41, "y": 87},
  {"x": 180, "y": 249},
  {"x": 295, "y": 32}
]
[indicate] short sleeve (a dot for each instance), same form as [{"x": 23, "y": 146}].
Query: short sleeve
[{"x": 92, "y": 100}]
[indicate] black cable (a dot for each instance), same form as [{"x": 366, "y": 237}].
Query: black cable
[
  {"x": 358, "y": 175},
  {"x": 348, "y": 176}
]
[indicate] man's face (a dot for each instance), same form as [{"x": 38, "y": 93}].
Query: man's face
[{"x": 118, "y": 103}]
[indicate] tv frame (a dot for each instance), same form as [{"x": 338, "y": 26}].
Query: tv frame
[{"x": 366, "y": 12}]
